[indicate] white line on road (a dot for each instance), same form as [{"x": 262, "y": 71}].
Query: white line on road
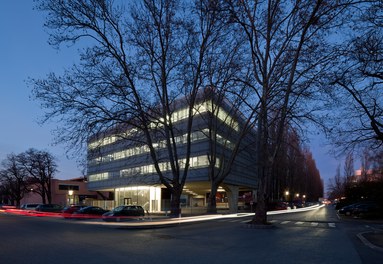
[
  {"x": 314, "y": 224},
  {"x": 299, "y": 223},
  {"x": 285, "y": 222},
  {"x": 368, "y": 243},
  {"x": 331, "y": 224}
]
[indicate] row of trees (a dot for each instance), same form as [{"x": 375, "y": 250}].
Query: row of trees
[
  {"x": 280, "y": 60},
  {"x": 295, "y": 171},
  {"x": 21, "y": 172}
]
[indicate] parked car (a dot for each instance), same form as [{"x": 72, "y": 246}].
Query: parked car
[
  {"x": 124, "y": 212},
  {"x": 89, "y": 212},
  {"x": 4, "y": 207},
  {"x": 69, "y": 210},
  {"x": 29, "y": 206},
  {"x": 272, "y": 206},
  {"x": 349, "y": 209},
  {"x": 367, "y": 210},
  {"x": 50, "y": 208}
]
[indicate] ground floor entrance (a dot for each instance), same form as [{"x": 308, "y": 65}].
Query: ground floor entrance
[{"x": 155, "y": 199}]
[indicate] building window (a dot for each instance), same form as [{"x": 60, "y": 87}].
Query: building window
[{"x": 65, "y": 187}]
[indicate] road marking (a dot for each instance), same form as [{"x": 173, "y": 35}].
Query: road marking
[
  {"x": 285, "y": 222},
  {"x": 331, "y": 224},
  {"x": 299, "y": 223},
  {"x": 273, "y": 221},
  {"x": 314, "y": 224},
  {"x": 368, "y": 243}
]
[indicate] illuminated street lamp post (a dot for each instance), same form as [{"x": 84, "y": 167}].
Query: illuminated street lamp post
[
  {"x": 296, "y": 201},
  {"x": 287, "y": 195}
]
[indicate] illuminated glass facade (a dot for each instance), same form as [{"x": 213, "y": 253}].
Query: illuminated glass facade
[{"x": 118, "y": 164}]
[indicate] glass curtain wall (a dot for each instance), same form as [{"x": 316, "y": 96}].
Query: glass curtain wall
[{"x": 148, "y": 197}]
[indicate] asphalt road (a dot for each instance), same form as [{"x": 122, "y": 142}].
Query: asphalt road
[{"x": 308, "y": 237}]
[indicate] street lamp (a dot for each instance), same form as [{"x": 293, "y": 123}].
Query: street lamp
[
  {"x": 70, "y": 193},
  {"x": 287, "y": 195}
]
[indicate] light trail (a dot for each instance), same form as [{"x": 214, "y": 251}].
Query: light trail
[{"x": 149, "y": 222}]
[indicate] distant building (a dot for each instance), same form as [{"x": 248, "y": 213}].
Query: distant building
[
  {"x": 66, "y": 192},
  {"x": 370, "y": 175},
  {"x": 124, "y": 166}
]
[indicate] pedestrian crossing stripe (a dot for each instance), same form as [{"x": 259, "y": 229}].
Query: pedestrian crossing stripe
[{"x": 298, "y": 223}]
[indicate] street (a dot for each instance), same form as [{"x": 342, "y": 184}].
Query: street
[{"x": 308, "y": 237}]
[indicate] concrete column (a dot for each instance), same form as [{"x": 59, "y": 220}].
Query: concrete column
[{"x": 232, "y": 195}]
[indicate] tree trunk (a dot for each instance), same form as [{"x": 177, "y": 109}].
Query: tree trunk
[
  {"x": 49, "y": 190},
  {"x": 43, "y": 196},
  {"x": 260, "y": 217},
  {"x": 212, "y": 203},
  {"x": 175, "y": 203}
]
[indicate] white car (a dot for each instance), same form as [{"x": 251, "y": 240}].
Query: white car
[{"x": 29, "y": 206}]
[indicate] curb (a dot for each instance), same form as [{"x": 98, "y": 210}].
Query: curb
[
  {"x": 366, "y": 242},
  {"x": 255, "y": 226}
]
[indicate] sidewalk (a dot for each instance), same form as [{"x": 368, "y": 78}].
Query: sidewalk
[{"x": 373, "y": 239}]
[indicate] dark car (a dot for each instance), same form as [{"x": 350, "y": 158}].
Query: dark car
[
  {"x": 367, "y": 210},
  {"x": 49, "y": 208},
  {"x": 273, "y": 206},
  {"x": 89, "y": 212},
  {"x": 69, "y": 210},
  {"x": 124, "y": 212},
  {"x": 349, "y": 209}
]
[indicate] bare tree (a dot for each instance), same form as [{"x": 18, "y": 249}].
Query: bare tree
[
  {"x": 229, "y": 134},
  {"x": 136, "y": 62},
  {"x": 41, "y": 167},
  {"x": 14, "y": 178},
  {"x": 288, "y": 54},
  {"x": 349, "y": 170},
  {"x": 359, "y": 78},
  {"x": 337, "y": 185}
]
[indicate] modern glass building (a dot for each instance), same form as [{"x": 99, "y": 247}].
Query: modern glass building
[{"x": 119, "y": 160}]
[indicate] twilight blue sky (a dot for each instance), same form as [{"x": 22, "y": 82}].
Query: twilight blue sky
[{"x": 24, "y": 53}]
